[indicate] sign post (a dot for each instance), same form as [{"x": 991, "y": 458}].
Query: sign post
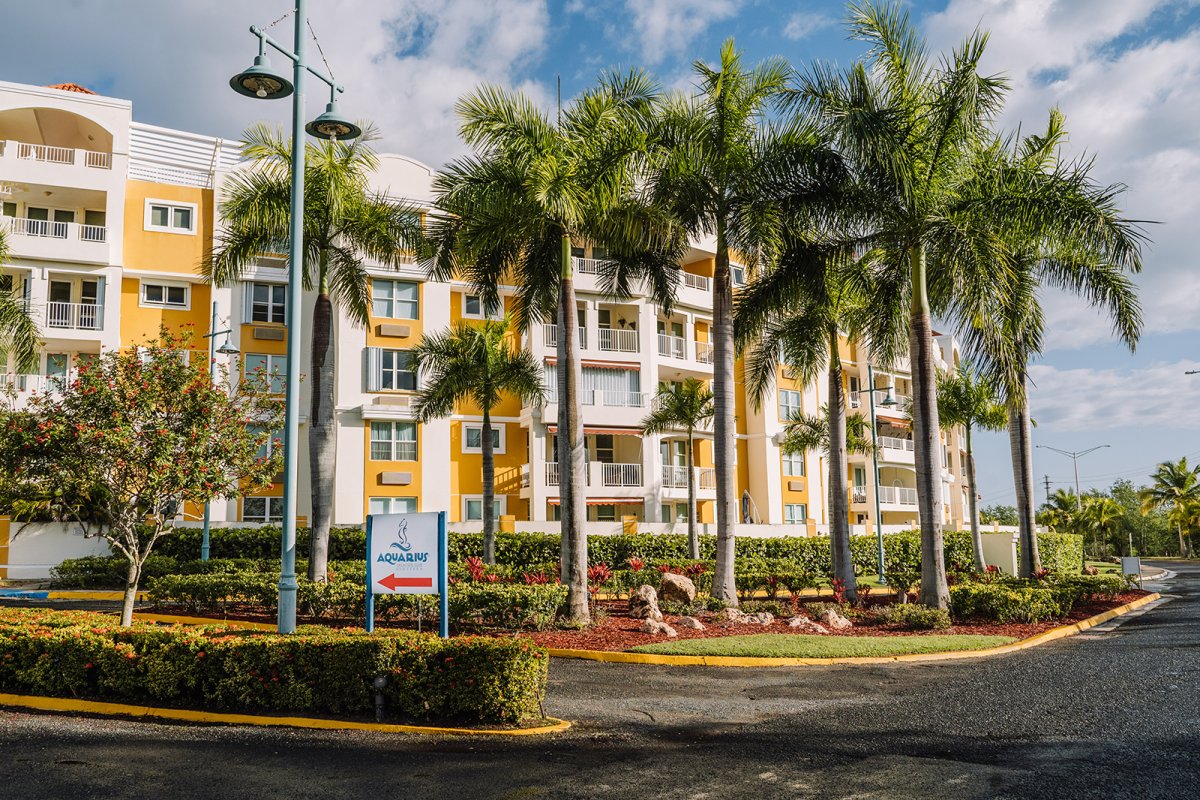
[{"x": 407, "y": 554}]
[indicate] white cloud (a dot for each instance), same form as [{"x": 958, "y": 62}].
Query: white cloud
[
  {"x": 668, "y": 27},
  {"x": 802, "y": 25},
  {"x": 1158, "y": 396}
]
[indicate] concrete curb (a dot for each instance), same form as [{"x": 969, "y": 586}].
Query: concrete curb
[
  {"x": 187, "y": 715},
  {"x": 67, "y": 594},
  {"x": 739, "y": 661}
]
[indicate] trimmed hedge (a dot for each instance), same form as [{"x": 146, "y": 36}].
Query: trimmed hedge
[
  {"x": 1004, "y": 602},
  {"x": 1061, "y": 552},
  {"x": 81, "y": 654}
]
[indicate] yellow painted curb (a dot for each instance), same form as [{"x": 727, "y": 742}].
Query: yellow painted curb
[
  {"x": 89, "y": 595},
  {"x": 747, "y": 661},
  {"x": 187, "y": 715}
]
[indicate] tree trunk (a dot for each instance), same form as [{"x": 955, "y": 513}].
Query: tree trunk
[
  {"x": 693, "y": 537},
  {"x": 489, "y": 490},
  {"x": 131, "y": 586},
  {"x": 1183, "y": 549},
  {"x": 839, "y": 507},
  {"x": 321, "y": 438},
  {"x": 927, "y": 448},
  {"x": 1019, "y": 439},
  {"x": 973, "y": 507},
  {"x": 724, "y": 423},
  {"x": 572, "y": 450}
]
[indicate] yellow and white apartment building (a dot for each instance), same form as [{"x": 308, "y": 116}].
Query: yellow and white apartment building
[{"x": 108, "y": 220}]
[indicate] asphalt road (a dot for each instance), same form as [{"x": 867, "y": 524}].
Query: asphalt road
[{"x": 1108, "y": 714}]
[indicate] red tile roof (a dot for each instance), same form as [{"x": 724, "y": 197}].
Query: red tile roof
[{"x": 71, "y": 87}]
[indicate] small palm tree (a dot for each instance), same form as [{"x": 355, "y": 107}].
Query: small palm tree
[
  {"x": 344, "y": 224},
  {"x": 18, "y": 332},
  {"x": 476, "y": 363},
  {"x": 1062, "y": 511},
  {"x": 965, "y": 400},
  {"x": 811, "y": 432},
  {"x": 688, "y": 405},
  {"x": 1101, "y": 512},
  {"x": 1176, "y": 488}
]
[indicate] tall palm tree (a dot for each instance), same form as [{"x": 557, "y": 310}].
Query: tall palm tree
[
  {"x": 718, "y": 167},
  {"x": 476, "y": 363},
  {"x": 688, "y": 405},
  {"x": 345, "y": 224},
  {"x": 18, "y": 332},
  {"x": 935, "y": 197},
  {"x": 965, "y": 401},
  {"x": 1176, "y": 488},
  {"x": 509, "y": 214}
]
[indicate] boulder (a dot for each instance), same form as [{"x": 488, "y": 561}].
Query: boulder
[
  {"x": 643, "y": 604},
  {"x": 677, "y": 589},
  {"x": 761, "y": 618},
  {"x": 1089, "y": 570},
  {"x": 807, "y": 625},
  {"x": 657, "y": 628},
  {"x": 730, "y": 616},
  {"x": 833, "y": 619},
  {"x": 689, "y": 622}
]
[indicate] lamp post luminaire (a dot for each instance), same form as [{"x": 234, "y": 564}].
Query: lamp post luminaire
[
  {"x": 260, "y": 82},
  {"x": 887, "y": 402},
  {"x": 226, "y": 349},
  {"x": 1074, "y": 455}
]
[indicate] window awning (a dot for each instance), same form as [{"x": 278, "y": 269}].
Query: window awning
[
  {"x": 631, "y": 366},
  {"x": 591, "y": 431},
  {"x": 603, "y": 501}
]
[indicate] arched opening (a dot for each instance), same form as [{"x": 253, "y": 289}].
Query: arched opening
[{"x": 53, "y": 127}]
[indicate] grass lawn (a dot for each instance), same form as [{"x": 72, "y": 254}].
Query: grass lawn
[
  {"x": 791, "y": 645},
  {"x": 1104, "y": 566}
]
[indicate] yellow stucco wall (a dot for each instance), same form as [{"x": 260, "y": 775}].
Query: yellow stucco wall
[
  {"x": 160, "y": 251},
  {"x": 466, "y": 469},
  {"x": 373, "y": 469}
]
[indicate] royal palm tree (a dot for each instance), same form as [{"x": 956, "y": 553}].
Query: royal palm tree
[
  {"x": 936, "y": 194},
  {"x": 345, "y": 224},
  {"x": 18, "y": 332},
  {"x": 687, "y": 405},
  {"x": 477, "y": 364},
  {"x": 965, "y": 401},
  {"x": 1176, "y": 489},
  {"x": 509, "y": 214}
]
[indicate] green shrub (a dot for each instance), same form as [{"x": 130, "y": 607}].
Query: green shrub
[
  {"x": 1007, "y": 603},
  {"x": 506, "y": 605},
  {"x": 76, "y": 654},
  {"x": 1085, "y": 588},
  {"x": 771, "y": 606},
  {"x": 1061, "y": 552},
  {"x": 915, "y": 617}
]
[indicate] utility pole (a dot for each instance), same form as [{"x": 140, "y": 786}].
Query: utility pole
[{"x": 1047, "y": 477}]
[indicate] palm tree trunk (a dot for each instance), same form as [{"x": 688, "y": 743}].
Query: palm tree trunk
[
  {"x": 839, "y": 507},
  {"x": 1019, "y": 439},
  {"x": 321, "y": 437},
  {"x": 693, "y": 538},
  {"x": 724, "y": 422},
  {"x": 927, "y": 448},
  {"x": 973, "y": 507},
  {"x": 572, "y": 450},
  {"x": 1183, "y": 549},
  {"x": 489, "y": 490}
]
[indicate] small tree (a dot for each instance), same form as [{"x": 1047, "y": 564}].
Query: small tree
[
  {"x": 476, "y": 363},
  {"x": 1176, "y": 489},
  {"x": 133, "y": 437},
  {"x": 688, "y": 405}
]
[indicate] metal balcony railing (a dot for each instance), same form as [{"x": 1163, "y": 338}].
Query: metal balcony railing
[
  {"x": 48, "y": 229},
  {"x": 895, "y": 443},
  {"x": 589, "y": 266},
  {"x": 620, "y": 474},
  {"x": 48, "y": 154},
  {"x": 898, "y": 495},
  {"x": 611, "y": 399},
  {"x": 700, "y": 282},
  {"x": 672, "y": 346},
  {"x": 76, "y": 316},
  {"x": 551, "y": 336},
  {"x": 705, "y": 352},
  {"x": 618, "y": 340}
]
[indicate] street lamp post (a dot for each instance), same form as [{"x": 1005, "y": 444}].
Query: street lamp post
[
  {"x": 259, "y": 81},
  {"x": 888, "y": 401},
  {"x": 226, "y": 349},
  {"x": 1074, "y": 456}
]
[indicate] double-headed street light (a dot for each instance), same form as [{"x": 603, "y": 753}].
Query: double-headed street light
[
  {"x": 1074, "y": 455},
  {"x": 887, "y": 402},
  {"x": 261, "y": 82}
]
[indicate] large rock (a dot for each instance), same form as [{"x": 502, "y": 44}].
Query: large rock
[
  {"x": 677, "y": 589},
  {"x": 689, "y": 622},
  {"x": 833, "y": 619},
  {"x": 733, "y": 616},
  {"x": 761, "y": 618},
  {"x": 806, "y": 625},
  {"x": 657, "y": 628},
  {"x": 643, "y": 604}
]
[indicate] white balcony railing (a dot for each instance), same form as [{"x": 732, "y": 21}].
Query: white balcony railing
[
  {"x": 898, "y": 495},
  {"x": 93, "y": 233},
  {"x": 858, "y": 494},
  {"x": 620, "y": 474},
  {"x": 611, "y": 399},
  {"x": 551, "y": 336},
  {"x": 77, "y": 316},
  {"x": 618, "y": 340},
  {"x": 895, "y": 443},
  {"x": 707, "y": 478},
  {"x": 674, "y": 477},
  {"x": 672, "y": 346},
  {"x": 48, "y": 229},
  {"x": 705, "y": 352},
  {"x": 524, "y": 476},
  {"x": 700, "y": 282},
  {"x": 588, "y": 266},
  {"x": 552, "y": 473},
  {"x": 26, "y": 151}
]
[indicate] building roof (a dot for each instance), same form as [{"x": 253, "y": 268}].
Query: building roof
[{"x": 71, "y": 87}]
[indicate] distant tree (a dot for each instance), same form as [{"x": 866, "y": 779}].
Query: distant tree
[
  {"x": 1062, "y": 511},
  {"x": 1151, "y": 532},
  {"x": 136, "y": 435},
  {"x": 1101, "y": 513},
  {"x": 1176, "y": 489},
  {"x": 1001, "y": 515}
]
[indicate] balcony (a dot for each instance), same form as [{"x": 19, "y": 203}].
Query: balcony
[
  {"x": 550, "y": 336},
  {"x": 602, "y": 475},
  {"x": 589, "y": 266},
  {"x": 611, "y": 399},
  {"x": 619, "y": 340},
  {"x": 676, "y": 478},
  {"x": 701, "y": 282},
  {"x": 21, "y": 387},
  {"x": 29, "y": 163},
  {"x": 59, "y": 241},
  {"x": 74, "y": 316},
  {"x": 897, "y": 496},
  {"x": 24, "y": 151},
  {"x": 672, "y": 346},
  {"x": 705, "y": 353}
]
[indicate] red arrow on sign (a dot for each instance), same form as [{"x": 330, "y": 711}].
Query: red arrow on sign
[{"x": 394, "y": 582}]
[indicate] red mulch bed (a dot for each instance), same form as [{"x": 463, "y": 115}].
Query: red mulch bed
[{"x": 618, "y": 631}]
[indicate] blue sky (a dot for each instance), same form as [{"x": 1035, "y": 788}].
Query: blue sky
[{"x": 1125, "y": 72}]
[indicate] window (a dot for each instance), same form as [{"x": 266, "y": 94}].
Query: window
[
  {"x": 473, "y": 308},
  {"x": 397, "y": 370},
  {"x": 789, "y": 404},
  {"x": 793, "y": 465},
  {"x": 273, "y": 368},
  {"x": 393, "y": 441},
  {"x": 169, "y": 295},
  {"x": 473, "y": 438},
  {"x": 473, "y": 508},
  {"x": 268, "y": 302},
  {"x": 795, "y": 513},
  {"x": 737, "y": 274},
  {"x": 606, "y": 513},
  {"x": 392, "y": 505},
  {"x": 395, "y": 299},
  {"x": 855, "y": 393},
  {"x": 169, "y": 217},
  {"x": 262, "y": 509},
  {"x": 667, "y": 514},
  {"x": 605, "y": 448},
  {"x": 275, "y": 440}
]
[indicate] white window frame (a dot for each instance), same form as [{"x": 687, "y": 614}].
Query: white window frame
[
  {"x": 799, "y": 404},
  {"x": 171, "y": 206},
  {"x": 392, "y": 503},
  {"x": 268, "y": 447},
  {"x": 789, "y": 513},
  {"x": 790, "y": 460},
  {"x": 276, "y": 369},
  {"x": 613, "y": 506},
  {"x": 498, "y": 314},
  {"x": 393, "y": 302},
  {"x": 165, "y": 285},
  {"x": 393, "y": 442},
  {"x": 250, "y": 286},
  {"x": 501, "y": 437},
  {"x": 268, "y": 503},
  {"x": 500, "y": 501}
]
